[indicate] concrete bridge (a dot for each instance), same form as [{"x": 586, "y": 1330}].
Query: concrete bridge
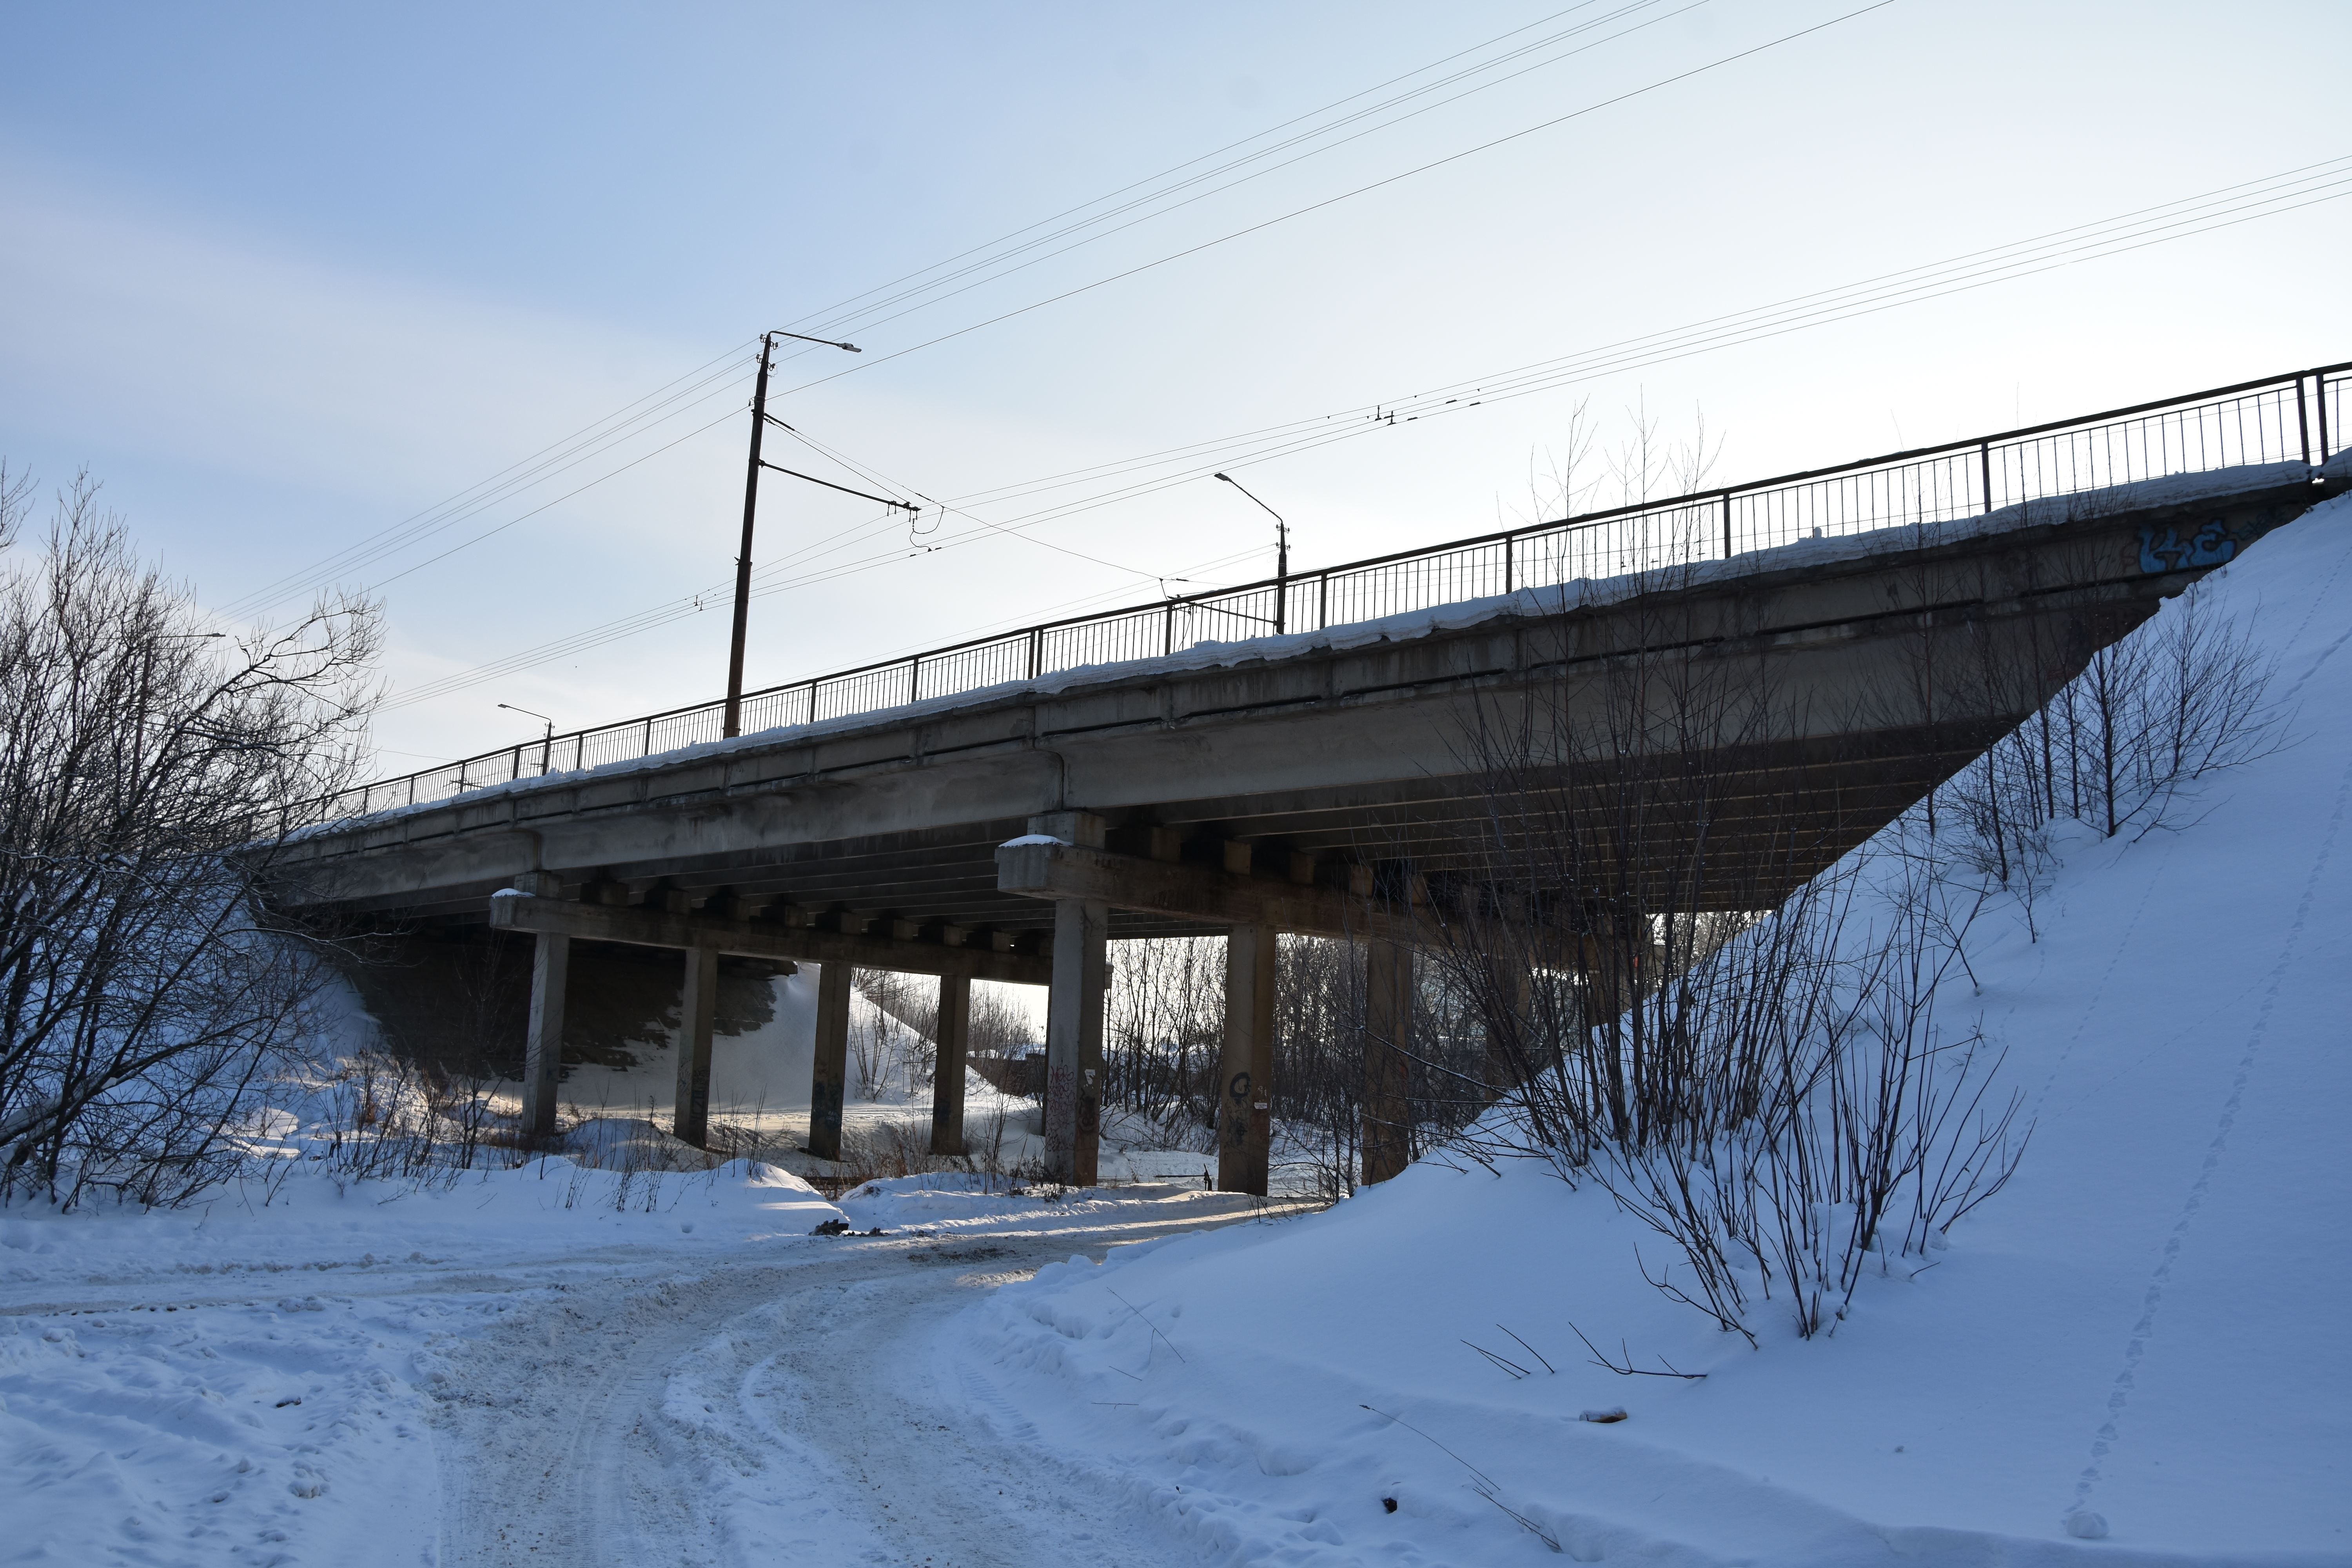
[{"x": 1329, "y": 781}]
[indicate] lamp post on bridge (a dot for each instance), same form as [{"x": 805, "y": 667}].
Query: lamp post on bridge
[
  {"x": 1281, "y": 558},
  {"x": 732, "y": 724},
  {"x": 547, "y": 741}
]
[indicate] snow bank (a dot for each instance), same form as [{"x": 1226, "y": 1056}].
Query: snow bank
[{"x": 2140, "y": 1337}]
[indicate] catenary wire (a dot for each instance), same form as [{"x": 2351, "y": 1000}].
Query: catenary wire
[{"x": 1667, "y": 347}]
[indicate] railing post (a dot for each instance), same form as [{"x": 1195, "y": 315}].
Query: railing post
[
  {"x": 1323, "y": 603},
  {"x": 2302, "y": 422},
  {"x": 1726, "y": 525},
  {"x": 580, "y": 752},
  {"x": 1036, "y": 650},
  {"x": 1508, "y": 586},
  {"x": 516, "y": 765},
  {"x": 1984, "y": 469},
  {"x": 915, "y": 679},
  {"x": 412, "y": 789},
  {"x": 647, "y": 749},
  {"x": 812, "y": 702},
  {"x": 2320, "y": 378},
  {"x": 1168, "y": 629}
]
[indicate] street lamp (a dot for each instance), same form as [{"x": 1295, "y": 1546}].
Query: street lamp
[
  {"x": 547, "y": 742},
  {"x": 732, "y": 724},
  {"x": 1281, "y": 557}
]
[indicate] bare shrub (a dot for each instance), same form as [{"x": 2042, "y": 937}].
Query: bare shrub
[
  {"x": 147, "y": 767},
  {"x": 383, "y": 1116},
  {"x": 1750, "y": 1052}
]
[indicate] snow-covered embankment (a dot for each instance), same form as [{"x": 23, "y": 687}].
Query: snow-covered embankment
[{"x": 2145, "y": 1327}]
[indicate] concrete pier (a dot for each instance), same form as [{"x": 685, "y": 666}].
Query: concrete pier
[
  {"x": 1388, "y": 1047},
  {"x": 1074, "y": 1026},
  {"x": 829, "y": 1073},
  {"x": 1246, "y": 1072},
  {"x": 697, "y": 1007},
  {"x": 951, "y": 1036},
  {"x": 550, "y": 970}
]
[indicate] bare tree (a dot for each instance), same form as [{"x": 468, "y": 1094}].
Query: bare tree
[{"x": 149, "y": 770}]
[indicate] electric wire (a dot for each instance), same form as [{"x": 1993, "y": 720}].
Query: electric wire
[
  {"x": 728, "y": 368},
  {"x": 1316, "y": 206},
  {"x": 2326, "y": 181}
]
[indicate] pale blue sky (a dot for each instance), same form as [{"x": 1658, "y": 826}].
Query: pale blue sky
[{"x": 285, "y": 276}]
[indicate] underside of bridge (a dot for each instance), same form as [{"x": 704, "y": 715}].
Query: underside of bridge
[{"x": 1701, "y": 738}]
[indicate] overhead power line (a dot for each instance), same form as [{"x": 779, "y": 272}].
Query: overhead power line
[
  {"x": 2209, "y": 211},
  {"x": 1316, "y": 206},
  {"x": 723, "y": 374}
]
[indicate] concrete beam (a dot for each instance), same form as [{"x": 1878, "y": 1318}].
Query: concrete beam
[
  {"x": 754, "y": 939},
  {"x": 1192, "y": 892},
  {"x": 1236, "y": 900}
]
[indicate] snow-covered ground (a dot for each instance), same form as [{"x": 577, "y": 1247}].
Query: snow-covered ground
[
  {"x": 554, "y": 1359},
  {"x": 2147, "y": 1326}
]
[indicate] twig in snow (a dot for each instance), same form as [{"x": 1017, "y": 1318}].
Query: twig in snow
[
  {"x": 1533, "y": 1351},
  {"x": 1514, "y": 1368},
  {"x": 1481, "y": 1482},
  {"x": 1629, "y": 1369},
  {"x": 1148, "y": 1323}
]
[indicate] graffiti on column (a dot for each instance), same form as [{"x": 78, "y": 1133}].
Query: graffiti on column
[{"x": 1237, "y": 1113}]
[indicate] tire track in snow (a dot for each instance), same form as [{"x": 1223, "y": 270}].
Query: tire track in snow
[{"x": 762, "y": 1414}]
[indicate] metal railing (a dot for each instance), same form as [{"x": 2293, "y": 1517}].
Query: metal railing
[{"x": 2295, "y": 417}]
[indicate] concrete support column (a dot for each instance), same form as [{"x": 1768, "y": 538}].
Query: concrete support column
[
  {"x": 1246, "y": 1072},
  {"x": 543, "y": 1059},
  {"x": 1074, "y": 1026},
  {"x": 950, "y": 1036},
  {"x": 829, "y": 1073},
  {"x": 1388, "y": 1042},
  {"x": 698, "y": 1005}
]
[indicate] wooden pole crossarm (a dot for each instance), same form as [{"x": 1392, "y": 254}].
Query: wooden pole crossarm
[{"x": 755, "y": 938}]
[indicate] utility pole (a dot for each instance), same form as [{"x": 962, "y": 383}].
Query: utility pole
[{"x": 733, "y": 725}]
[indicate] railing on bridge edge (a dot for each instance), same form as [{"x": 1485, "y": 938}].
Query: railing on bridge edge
[{"x": 2285, "y": 418}]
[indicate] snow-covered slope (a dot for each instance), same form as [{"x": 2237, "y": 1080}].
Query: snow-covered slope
[{"x": 2148, "y": 1325}]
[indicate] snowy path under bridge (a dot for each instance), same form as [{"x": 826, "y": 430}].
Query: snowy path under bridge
[
  {"x": 548, "y": 1365},
  {"x": 766, "y": 1414}
]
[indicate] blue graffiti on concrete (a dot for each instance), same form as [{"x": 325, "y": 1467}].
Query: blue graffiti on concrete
[{"x": 2212, "y": 545}]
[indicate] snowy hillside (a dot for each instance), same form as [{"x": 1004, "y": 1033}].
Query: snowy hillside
[{"x": 2147, "y": 1326}]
